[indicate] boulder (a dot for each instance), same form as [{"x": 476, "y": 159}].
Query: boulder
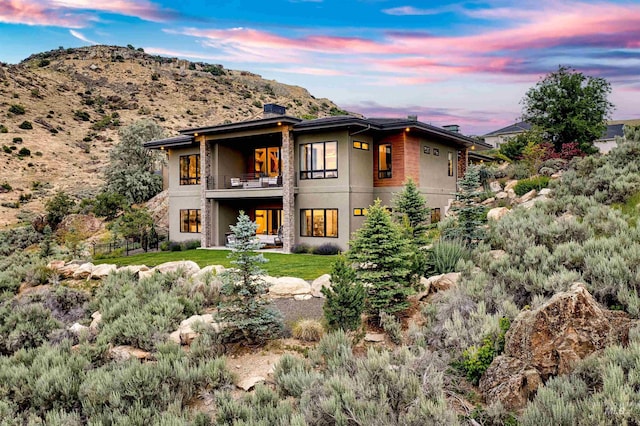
[
  {"x": 78, "y": 329},
  {"x": 302, "y": 297},
  {"x": 123, "y": 353},
  {"x": 374, "y": 337},
  {"x": 101, "y": 271},
  {"x": 97, "y": 319},
  {"x": 209, "y": 269},
  {"x": 319, "y": 283},
  {"x": 248, "y": 383},
  {"x": 550, "y": 340},
  {"x": 146, "y": 273},
  {"x": 188, "y": 266},
  {"x": 538, "y": 199},
  {"x": 511, "y": 194},
  {"x": 84, "y": 271},
  {"x": 501, "y": 195},
  {"x": 528, "y": 196},
  {"x": 488, "y": 201},
  {"x": 545, "y": 191},
  {"x": 56, "y": 265},
  {"x": 133, "y": 269},
  {"x": 442, "y": 282},
  {"x": 510, "y": 185},
  {"x": 68, "y": 270},
  {"x": 495, "y": 186},
  {"x": 557, "y": 175},
  {"x": 185, "y": 333},
  {"x": 289, "y": 287},
  {"x": 497, "y": 213}
]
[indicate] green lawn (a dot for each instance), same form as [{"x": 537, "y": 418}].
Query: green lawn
[{"x": 305, "y": 266}]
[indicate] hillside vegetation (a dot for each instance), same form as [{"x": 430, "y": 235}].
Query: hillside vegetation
[{"x": 60, "y": 112}]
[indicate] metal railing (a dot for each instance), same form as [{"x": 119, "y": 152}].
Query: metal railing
[
  {"x": 129, "y": 246},
  {"x": 244, "y": 181}
]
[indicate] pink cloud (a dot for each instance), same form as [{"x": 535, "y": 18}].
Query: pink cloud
[{"x": 75, "y": 13}]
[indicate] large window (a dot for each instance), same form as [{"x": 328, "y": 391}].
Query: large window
[
  {"x": 319, "y": 223},
  {"x": 384, "y": 161},
  {"x": 190, "y": 220},
  {"x": 267, "y": 161},
  {"x": 269, "y": 221},
  {"x": 450, "y": 167},
  {"x": 190, "y": 169},
  {"x": 319, "y": 160}
]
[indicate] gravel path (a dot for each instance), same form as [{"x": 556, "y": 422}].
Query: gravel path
[{"x": 293, "y": 310}]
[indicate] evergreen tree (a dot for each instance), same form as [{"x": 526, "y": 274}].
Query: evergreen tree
[
  {"x": 245, "y": 308},
  {"x": 58, "y": 207},
  {"x": 470, "y": 213},
  {"x": 345, "y": 298},
  {"x": 412, "y": 214},
  {"x": 131, "y": 168},
  {"x": 46, "y": 246},
  {"x": 379, "y": 254}
]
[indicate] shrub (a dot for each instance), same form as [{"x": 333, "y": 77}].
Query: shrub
[
  {"x": 3, "y": 129},
  {"x": 443, "y": 257},
  {"x": 293, "y": 376},
  {"x": 345, "y": 299},
  {"x": 301, "y": 248},
  {"x": 6, "y": 149},
  {"x": 24, "y": 152},
  {"x": 392, "y": 327},
  {"x": 109, "y": 204},
  {"x": 17, "y": 109},
  {"x": 17, "y": 140},
  {"x": 526, "y": 185},
  {"x": 308, "y": 330},
  {"x": 326, "y": 249},
  {"x": 26, "y": 125},
  {"x": 58, "y": 207},
  {"x": 43, "y": 63},
  {"x": 23, "y": 327},
  {"x": 6, "y": 187}
]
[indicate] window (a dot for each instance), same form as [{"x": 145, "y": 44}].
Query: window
[
  {"x": 436, "y": 152},
  {"x": 269, "y": 221},
  {"x": 190, "y": 169},
  {"x": 319, "y": 160},
  {"x": 384, "y": 161},
  {"x": 426, "y": 150},
  {"x": 267, "y": 161},
  {"x": 190, "y": 220},
  {"x": 359, "y": 212},
  {"x": 435, "y": 215},
  {"x": 361, "y": 145},
  {"x": 450, "y": 159},
  {"x": 319, "y": 223}
]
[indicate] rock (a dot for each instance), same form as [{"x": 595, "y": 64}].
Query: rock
[
  {"x": 442, "y": 282},
  {"x": 550, "y": 340},
  {"x": 123, "y": 353},
  {"x": 97, "y": 319},
  {"x": 84, "y": 271},
  {"x": 511, "y": 193},
  {"x": 501, "y": 195},
  {"x": 538, "y": 199},
  {"x": 545, "y": 191},
  {"x": 146, "y": 273},
  {"x": 374, "y": 337},
  {"x": 319, "y": 283},
  {"x": 528, "y": 196},
  {"x": 498, "y": 254},
  {"x": 509, "y": 381},
  {"x": 101, "y": 271},
  {"x": 185, "y": 334},
  {"x": 488, "y": 201},
  {"x": 56, "y": 265},
  {"x": 78, "y": 329},
  {"x": 303, "y": 297},
  {"x": 288, "y": 287},
  {"x": 510, "y": 185},
  {"x": 425, "y": 287},
  {"x": 188, "y": 266},
  {"x": 497, "y": 213},
  {"x": 495, "y": 186},
  {"x": 67, "y": 271},
  {"x": 133, "y": 269},
  {"x": 208, "y": 270},
  {"x": 557, "y": 175},
  {"x": 248, "y": 383}
]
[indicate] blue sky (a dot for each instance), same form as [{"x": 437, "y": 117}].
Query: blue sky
[{"x": 468, "y": 63}]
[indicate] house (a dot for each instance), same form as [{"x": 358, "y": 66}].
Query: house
[
  {"x": 303, "y": 181},
  {"x": 605, "y": 143}
]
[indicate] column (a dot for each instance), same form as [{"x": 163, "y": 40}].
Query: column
[
  {"x": 288, "y": 187},
  {"x": 205, "y": 207}
]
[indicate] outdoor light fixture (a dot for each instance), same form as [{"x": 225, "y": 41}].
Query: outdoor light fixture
[
  {"x": 195, "y": 134},
  {"x": 407, "y": 129},
  {"x": 279, "y": 123}
]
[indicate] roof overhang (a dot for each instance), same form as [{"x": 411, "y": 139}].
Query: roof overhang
[
  {"x": 242, "y": 126},
  {"x": 173, "y": 142},
  {"x": 452, "y": 137}
]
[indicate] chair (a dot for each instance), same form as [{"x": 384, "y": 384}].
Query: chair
[{"x": 277, "y": 240}]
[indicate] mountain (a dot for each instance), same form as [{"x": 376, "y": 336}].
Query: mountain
[{"x": 60, "y": 112}]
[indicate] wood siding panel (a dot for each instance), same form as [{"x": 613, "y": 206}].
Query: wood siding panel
[{"x": 398, "y": 144}]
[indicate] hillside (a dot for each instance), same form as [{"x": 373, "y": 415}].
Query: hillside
[{"x": 76, "y": 100}]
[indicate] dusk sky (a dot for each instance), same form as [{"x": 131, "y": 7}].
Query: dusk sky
[{"x": 467, "y": 63}]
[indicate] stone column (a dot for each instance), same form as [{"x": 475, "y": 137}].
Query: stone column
[
  {"x": 288, "y": 187},
  {"x": 205, "y": 210}
]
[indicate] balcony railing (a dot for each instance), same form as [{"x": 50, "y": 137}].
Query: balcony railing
[{"x": 244, "y": 181}]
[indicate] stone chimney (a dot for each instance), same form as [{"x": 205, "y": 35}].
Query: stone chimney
[
  {"x": 452, "y": 128},
  {"x": 273, "y": 110},
  {"x": 412, "y": 117}
]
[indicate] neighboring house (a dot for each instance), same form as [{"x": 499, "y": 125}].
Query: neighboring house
[
  {"x": 303, "y": 181},
  {"x": 605, "y": 143}
]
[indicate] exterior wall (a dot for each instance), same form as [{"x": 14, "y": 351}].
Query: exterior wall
[
  {"x": 497, "y": 140},
  {"x": 227, "y": 162},
  {"x": 605, "y": 145},
  {"x": 398, "y": 143},
  {"x": 181, "y": 196}
]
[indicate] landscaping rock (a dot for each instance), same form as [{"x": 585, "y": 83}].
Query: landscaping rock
[
  {"x": 289, "y": 287},
  {"x": 68, "y": 270},
  {"x": 495, "y": 186},
  {"x": 442, "y": 282},
  {"x": 488, "y": 201},
  {"x": 545, "y": 191},
  {"x": 134, "y": 269},
  {"x": 538, "y": 199},
  {"x": 528, "y": 196},
  {"x": 374, "y": 337},
  {"x": 123, "y": 353},
  {"x": 302, "y": 297},
  {"x": 557, "y": 175},
  {"x": 78, "y": 329},
  {"x": 497, "y": 213},
  {"x": 188, "y": 266},
  {"x": 511, "y": 193},
  {"x": 101, "y": 271},
  {"x": 84, "y": 271},
  {"x": 501, "y": 195},
  {"x": 510, "y": 185},
  {"x": 185, "y": 333},
  {"x": 550, "y": 340},
  {"x": 319, "y": 283},
  {"x": 55, "y": 265},
  {"x": 97, "y": 319},
  {"x": 248, "y": 383}
]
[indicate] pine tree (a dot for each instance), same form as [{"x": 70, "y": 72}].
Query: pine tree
[
  {"x": 412, "y": 213},
  {"x": 46, "y": 246},
  {"x": 245, "y": 309},
  {"x": 470, "y": 213},
  {"x": 379, "y": 253},
  {"x": 345, "y": 298}
]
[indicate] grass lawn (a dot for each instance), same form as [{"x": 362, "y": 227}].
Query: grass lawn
[{"x": 305, "y": 266}]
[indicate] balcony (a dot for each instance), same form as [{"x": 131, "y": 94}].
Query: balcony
[{"x": 244, "y": 186}]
